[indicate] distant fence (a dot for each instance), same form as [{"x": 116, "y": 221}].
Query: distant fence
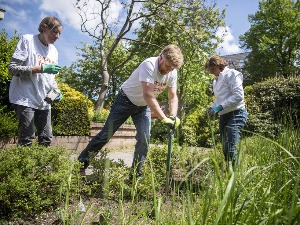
[{"x": 123, "y": 138}]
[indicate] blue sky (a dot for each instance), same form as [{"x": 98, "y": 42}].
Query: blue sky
[{"x": 24, "y": 17}]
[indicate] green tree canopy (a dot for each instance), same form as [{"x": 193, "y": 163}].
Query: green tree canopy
[
  {"x": 189, "y": 24},
  {"x": 273, "y": 39},
  {"x": 85, "y": 74},
  {"x": 119, "y": 28},
  {"x": 192, "y": 25}
]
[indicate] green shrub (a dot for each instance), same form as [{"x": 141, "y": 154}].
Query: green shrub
[
  {"x": 7, "y": 48},
  {"x": 198, "y": 130},
  {"x": 108, "y": 177},
  {"x": 100, "y": 118},
  {"x": 8, "y": 123},
  {"x": 31, "y": 179},
  {"x": 195, "y": 130},
  {"x": 72, "y": 115},
  {"x": 270, "y": 101},
  {"x": 159, "y": 132}
]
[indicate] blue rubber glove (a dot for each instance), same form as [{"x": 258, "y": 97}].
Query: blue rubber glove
[
  {"x": 50, "y": 68},
  {"x": 59, "y": 97},
  {"x": 217, "y": 109}
]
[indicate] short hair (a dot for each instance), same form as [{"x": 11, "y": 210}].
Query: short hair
[
  {"x": 217, "y": 61},
  {"x": 51, "y": 22},
  {"x": 173, "y": 54}
]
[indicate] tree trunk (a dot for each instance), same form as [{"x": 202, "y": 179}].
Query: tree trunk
[{"x": 102, "y": 93}]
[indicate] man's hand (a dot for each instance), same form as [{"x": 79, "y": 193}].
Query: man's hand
[
  {"x": 172, "y": 121},
  {"x": 211, "y": 113},
  {"x": 176, "y": 121},
  {"x": 59, "y": 97},
  {"x": 50, "y": 68},
  {"x": 168, "y": 121}
]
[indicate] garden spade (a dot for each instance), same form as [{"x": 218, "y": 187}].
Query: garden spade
[{"x": 170, "y": 139}]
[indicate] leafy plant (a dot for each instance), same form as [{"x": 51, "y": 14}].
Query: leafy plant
[
  {"x": 100, "y": 117},
  {"x": 7, "y": 47},
  {"x": 198, "y": 130},
  {"x": 72, "y": 115},
  {"x": 270, "y": 102},
  {"x": 273, "y": 40},
  {"x": 31, "y": 179},
  {"x": 8, "y": 123},
  {"x": 264, "y": 189}
]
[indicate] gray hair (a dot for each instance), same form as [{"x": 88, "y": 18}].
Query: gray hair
[{"x": 51, "y": 22}]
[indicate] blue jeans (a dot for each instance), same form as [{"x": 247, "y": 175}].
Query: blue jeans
[
  {"x": 230, "y": 125},
  {"x": 29, "y": 119},
  {"x": 121, "y": 110}
]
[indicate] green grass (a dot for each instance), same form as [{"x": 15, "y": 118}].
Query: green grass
[{"x": 263, "y": 190}]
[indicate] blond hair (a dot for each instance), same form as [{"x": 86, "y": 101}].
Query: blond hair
[
  {"x": 51, "y": 22},
  {"x": 216, "y": 61},
  {"x": 173, "y": 54}
]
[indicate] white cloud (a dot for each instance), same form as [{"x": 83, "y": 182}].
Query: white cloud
[
  {"x": 25, "y": 16},
  {"x": 114, "y": 12},
  {"x": 229, "y": 44},
  {"x": 65, "y": 10},
  {"x": 68, "y": 14}
]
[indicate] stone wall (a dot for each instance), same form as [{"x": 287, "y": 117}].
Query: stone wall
[{"x": 123, "y": 138}]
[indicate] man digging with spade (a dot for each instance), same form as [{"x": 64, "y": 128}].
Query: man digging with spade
[{"x": 137, "y": 99}]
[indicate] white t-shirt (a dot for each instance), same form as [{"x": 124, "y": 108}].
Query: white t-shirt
[
  {"x": 148, "y": 72},
  {"x": 228, "y": 90},
  {"x": 31, "y": 90}
]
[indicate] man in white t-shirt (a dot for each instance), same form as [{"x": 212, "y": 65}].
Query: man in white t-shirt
[
  {"x": 33, "y": 67},
  {"x": 137, "y": 99}
]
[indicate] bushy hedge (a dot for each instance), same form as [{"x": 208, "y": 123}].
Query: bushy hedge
[
  {"x": 198, "y": 129},
  {"x": 101, "y": 118},
  {"x": 8, "y": 123},
  {"x": 72, "y": 115},
  {"x": 7, "y": 47},
  {"x": 33, "y": 179},
  {"x": 272, "y": 101}
]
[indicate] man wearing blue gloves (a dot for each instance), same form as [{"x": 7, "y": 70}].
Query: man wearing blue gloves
[
  {"x": 33, "y": 67},
  {"x": 229, "y": 105}
]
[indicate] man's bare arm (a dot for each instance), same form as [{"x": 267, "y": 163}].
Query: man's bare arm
[
  {"x": 173, "y": 101},
  {"x": 148, "y": 93}
]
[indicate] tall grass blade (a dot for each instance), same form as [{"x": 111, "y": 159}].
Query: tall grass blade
[
  {"x": 192, "y": 171},
  {"x": 223, "y": 204}
]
